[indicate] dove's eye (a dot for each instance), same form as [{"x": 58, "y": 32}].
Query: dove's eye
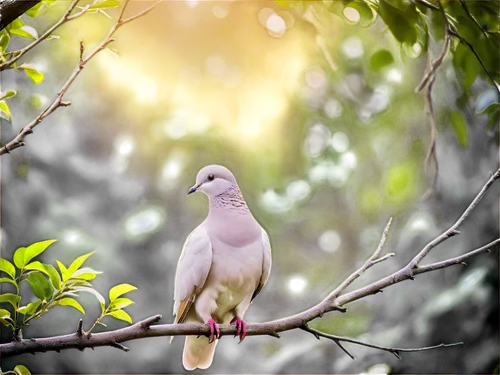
[{"x": 211, "y": 177}]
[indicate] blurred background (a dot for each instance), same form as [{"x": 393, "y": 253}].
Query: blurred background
[{"x": 327, "y": 143}]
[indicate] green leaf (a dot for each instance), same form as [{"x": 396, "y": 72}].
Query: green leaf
[
  {"x": 29, "y": 309},
  {"x": 71, "y": 302},
  {"x": 16, "y": 24},
  {"x": 366, "y": 15},
  {"x": 34, "y": 11},
  {"x": 64, "y": 271},
  {"x": 99, "y": 297},
  {"x": 113, "y": 52},
  {"x": 85, "y": 274},
  {"x": 4, "y": 313},
  {"x": 460, "y": 127},
  {"x": 4, "y": 41},
  {"x": 77, "y": 263},
  {"x": 120, "y": 303},
  {"x": 31, "y": 72},
  {"x": 8, "y": 268},
  {"x": 381, "y": 59},
  {"x": 19, "y": 257},
  {"x": 25, "y": 31},
  {"x": 49, "y": 2},
  {"x": 36, "y": 266},
  {"x": 78, "y": 282},
  {"x": 55, "y": 279},
  {"x": 8, "y": 94},
  {"x": 7, "y": 280},
  {"x": 21, "y": 370},
  {"x": 5, "y": 112},
  {"x": 401, "y": 17},
  {"x": 120, "y": 314},
  {"x": 40, "y": 285},
  {"x": 36, "y": 249},
  {"x": 105, "y": 4},
  {"x": 120, "y": 289},
  {"x": 13, "y": 299}
]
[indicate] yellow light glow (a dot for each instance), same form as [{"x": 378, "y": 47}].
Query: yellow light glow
[{"x": 145, "y": 89}]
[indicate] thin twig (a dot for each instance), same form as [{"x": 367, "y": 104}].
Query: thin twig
[
  {"x": 16, "y": 55},
  {"x": 18, "y": 140},
  {"x": 395, "y": 351},
  {"x": 369, "y": 263}
]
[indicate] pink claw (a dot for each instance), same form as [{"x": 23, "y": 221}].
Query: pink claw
[
  {"x": 214, "y": 328},
  {"x": 241, "y": 328}
]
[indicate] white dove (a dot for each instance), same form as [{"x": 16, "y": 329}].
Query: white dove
[{"x": 224, "y": 265}]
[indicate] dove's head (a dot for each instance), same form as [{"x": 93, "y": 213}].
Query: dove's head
[{"x": 214, "y": 180}]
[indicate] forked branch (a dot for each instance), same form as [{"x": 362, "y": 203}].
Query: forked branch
[{"x": 334, "y": 301}]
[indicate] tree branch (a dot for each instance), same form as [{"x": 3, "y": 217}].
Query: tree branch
[
  {"x": 395, "y": 351},
  {"x": 16, "y": 55},
  {"x": 18, "y": 140},
  {"x": 11, "y": 9},
  {"x": 334, "y": 301}
]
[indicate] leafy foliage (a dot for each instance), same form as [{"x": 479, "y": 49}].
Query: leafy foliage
[{"x": 53, "y": 288}]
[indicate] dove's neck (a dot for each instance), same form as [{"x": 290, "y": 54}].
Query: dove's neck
[{"x": 231, "y": 201}]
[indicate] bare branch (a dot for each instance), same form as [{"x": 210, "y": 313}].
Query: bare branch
[
  {"x": 453, "y": 230},
  {"x": 18, "y": 140},
  {"x": 369, "y": 263},
  {"x": 395, "y": 351}
]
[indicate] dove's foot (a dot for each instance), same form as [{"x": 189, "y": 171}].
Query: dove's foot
[
  {"x": 241, "y": 328},
  {"x": 214, "y": 329}
]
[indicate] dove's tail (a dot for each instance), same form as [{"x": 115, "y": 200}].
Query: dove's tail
[{"x": 198, "y": 353}]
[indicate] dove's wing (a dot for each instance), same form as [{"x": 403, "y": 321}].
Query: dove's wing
[
  {"x": 192, "y": 271},
  {"x": 266, "y": 263}
]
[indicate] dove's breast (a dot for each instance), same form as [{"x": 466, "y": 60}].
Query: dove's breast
[{"x": 234, "y": 275}]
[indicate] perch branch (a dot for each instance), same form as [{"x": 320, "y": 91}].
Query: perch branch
[
  {"x": 18, "y": 140},
  {"x": 334, "y": 301}
]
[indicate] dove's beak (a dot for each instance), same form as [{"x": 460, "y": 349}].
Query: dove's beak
[{"x": 193, "y": 189}]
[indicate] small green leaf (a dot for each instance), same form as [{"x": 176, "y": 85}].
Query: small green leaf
[
  {"x": 85, "y": 274},
  {"x": 29, "y": 309},
  {"x": 120, "y": 289},
  {"x": 25, "y": 31},
  {"x": 34, "y": 11},
  {"x": 31, "y": 72},
  {"x": 40, "y": 285},
  {"x": 16, "y": 24},
  {"x": 36, "y": 249},
  {"x": 120, "y": 314},
  {"x": 5, "y": 111},
  {"x": 19, "y": 257},
  {"x": 21, "y": 370},
  {"x": 71, "y": 302},
  {"x": 366, "y": 15},
  {"x": 8, "y": 268},
  {"x": 64, "y": 271},
  {"x": 13, "y": 299},
  {"x": 460, "y": 127},
  {"x": 120, "y": 303},
  {"x": 113, "y": 52},
  {"x": 36, "y": 266},
  {"x": 7, "y": 280},
  {"x": 78, "y": 282},
  {"x": 77, "y": 263},
  {"x": 49, "y": 2},
  {"x": 4, "y": 41},
  {"x": 7, "y": 94},
  {"x": 99, "y": 297},
  {"x": 381, "y": 59},
  {"x": 105, "y": 4},
  {"x": 55, "y": 279},
  {"x": 4, "y": 313},
  {"x": 401, "y": 17}
]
